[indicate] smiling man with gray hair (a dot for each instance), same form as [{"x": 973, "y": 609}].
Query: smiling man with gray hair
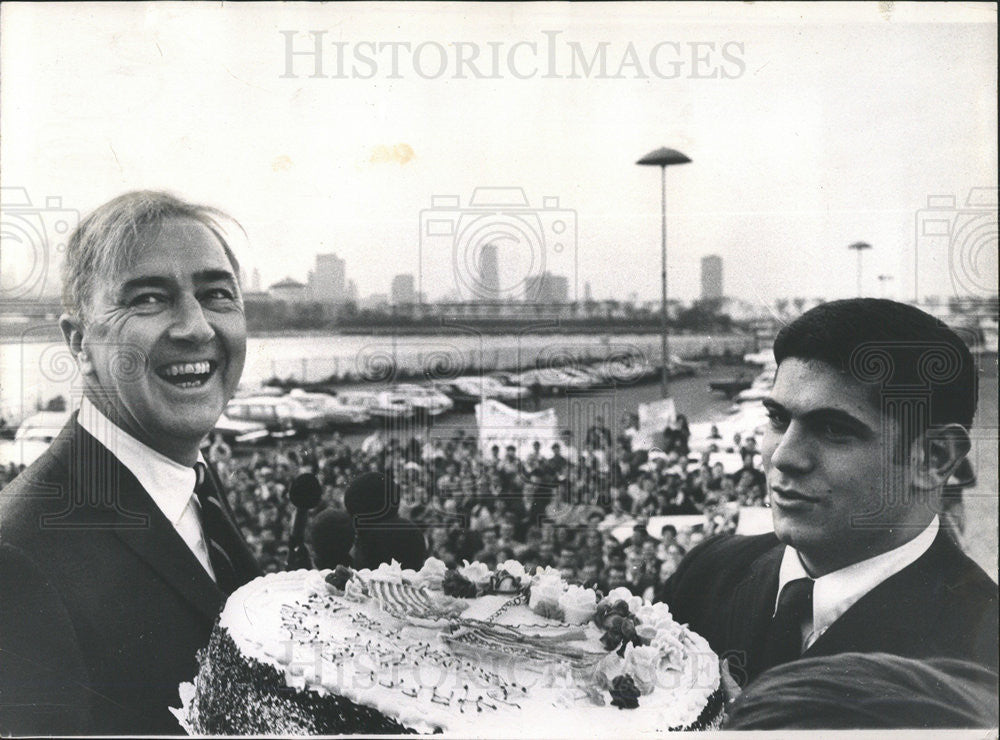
[{"x": 117, "y": 547}]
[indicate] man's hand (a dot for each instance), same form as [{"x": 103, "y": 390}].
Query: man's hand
[{"x": 730, "y": 688}]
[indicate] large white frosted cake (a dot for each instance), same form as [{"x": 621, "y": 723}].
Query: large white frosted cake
[{"x": 468, "y": 652}]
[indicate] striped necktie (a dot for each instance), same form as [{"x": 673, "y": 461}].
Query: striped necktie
[{"x": 219, "y": 533}]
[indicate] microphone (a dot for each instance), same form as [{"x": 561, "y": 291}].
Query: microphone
[{"x": 305, "y": 493}]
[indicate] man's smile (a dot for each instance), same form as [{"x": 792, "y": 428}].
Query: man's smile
[{"x": 191, "y": 374}]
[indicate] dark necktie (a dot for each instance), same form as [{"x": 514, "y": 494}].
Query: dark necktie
[
  {"x": 783, "y": 642},
  {"x": 218, "y": 532}
]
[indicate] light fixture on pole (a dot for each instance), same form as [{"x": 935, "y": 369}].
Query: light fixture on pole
[
  {"x": 663, "y": 158},
  {"x": 859, "y": 247}
]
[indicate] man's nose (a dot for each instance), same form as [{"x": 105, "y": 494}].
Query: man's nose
[
  {"x": 793, "y": 453},
  {"x": 190, "y": 323}
]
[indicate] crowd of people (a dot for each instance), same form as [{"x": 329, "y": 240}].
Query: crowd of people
[{"x": 559, "y": 507}]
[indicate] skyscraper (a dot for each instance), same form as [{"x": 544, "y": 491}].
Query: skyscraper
[
  {"x": 488, "y": 288},
  {"x": 403, "y": 291},
  {"x": 547, "y": 288},
  {"x": 327, "y": 283},
  {"x": 711, "y": 277}
]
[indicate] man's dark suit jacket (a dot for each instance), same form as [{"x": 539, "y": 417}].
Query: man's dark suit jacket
[
  {"x": 102, "y": 604},
  {"x": 942, "y": 605}
]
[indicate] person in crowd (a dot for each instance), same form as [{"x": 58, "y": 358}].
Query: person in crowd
[
  {"x": 668, "y": 536},
  {"x": 598, "y": 435},
  {"x": 117, "y": 546},
  {"x": 331, "y": 538},
  {"x": 864, "y": 691},
  {"x": 615, "y": 575},
  {"x": 676, "y": 436},
  {"x": 590, "y": 574},
  {"x": 754, "y": 476},
  {"x": 637, "y": 578},
  {"x": 372, "y": 500},
  {"x": 857, "y": 561}
]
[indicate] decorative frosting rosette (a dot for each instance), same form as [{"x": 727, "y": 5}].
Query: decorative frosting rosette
[
  {"x": 546, "y": 590},
  {"x": 509, "y": 577},
  {"x": 578, "y": 604},
  {"x": 431, "y": 575},
  {"x": 476, "y": 572}
]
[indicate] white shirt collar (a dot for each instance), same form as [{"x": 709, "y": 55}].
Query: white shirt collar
[
  {"x": 836, "y": 592},
  {"x": 167, "y": 482}
]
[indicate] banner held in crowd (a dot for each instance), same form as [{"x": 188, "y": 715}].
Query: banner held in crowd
[
  {"x": 653, "y": 419},
  {"x": 501, "y": 425}
]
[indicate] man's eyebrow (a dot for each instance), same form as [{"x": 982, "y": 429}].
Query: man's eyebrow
[
  {"x": 833, "y": 414},
  {"x": 146, "y": 281},
  {"x": 211, "y": 276},
  {"x": 771, "y": 405},
  {"x": 828, "y": 413}
]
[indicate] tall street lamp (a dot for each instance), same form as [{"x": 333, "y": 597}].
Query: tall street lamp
[
  {"x": 663, "y": 158},
  {"x": 859, "y": 247}
]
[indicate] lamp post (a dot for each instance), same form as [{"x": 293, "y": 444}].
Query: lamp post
[
  {"x": 859, "y": 247},
  {"x": 663, "y": 158}
]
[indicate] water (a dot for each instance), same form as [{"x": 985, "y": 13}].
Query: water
[{"x": 33, "y": 372}]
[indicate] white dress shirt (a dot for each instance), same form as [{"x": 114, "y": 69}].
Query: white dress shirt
[
  {"x": 836, "y": 592},
  {"x": 168, "y": 483}
]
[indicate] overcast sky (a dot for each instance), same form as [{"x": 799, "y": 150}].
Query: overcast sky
[{"x": 810, "y": 127}]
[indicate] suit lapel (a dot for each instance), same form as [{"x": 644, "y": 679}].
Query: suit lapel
[
  {"x": 753, "y": 605},
  {"x": 110, "y": 497},
  {"x": 165, "y": 552}
]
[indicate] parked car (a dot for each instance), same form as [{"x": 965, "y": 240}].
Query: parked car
[
  {"x": 623, "y": 369},
  {"x": 503, "y": 391},
  {"x": 334, "y": 410},
  {"x": 425, "y": 400},
  {"x": 759, "y": 389},
  {"x": 240, "y": 431},
  {"x": 33, "y": 437},
  {"x": 678, "y": 368},
  {"x": 550, "y": 380},
  {"x": 378, "y": 405},
  {"x": 464, "y": 396},
  {"x": 467, "y": 391},
  {"x": 283, "y": 417},
  {"x": 730, "y": 388},
  {"x": 587, "y": 377}
]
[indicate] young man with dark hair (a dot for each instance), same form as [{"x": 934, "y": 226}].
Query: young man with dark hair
[{"x": 869, "y": 415}]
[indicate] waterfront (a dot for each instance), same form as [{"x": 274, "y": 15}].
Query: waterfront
[{"x": 33, "y": 370}]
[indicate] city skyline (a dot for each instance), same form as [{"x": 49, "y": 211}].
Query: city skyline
[{"x": 790, "y": 163}]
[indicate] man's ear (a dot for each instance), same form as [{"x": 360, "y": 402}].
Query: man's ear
[
  {"x": 73, "y": 332},
  {"x": 937, "y": 453}
]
